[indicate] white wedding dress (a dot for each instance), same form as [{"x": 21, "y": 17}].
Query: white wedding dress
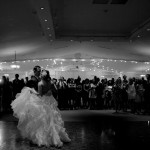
[{"x": 39, "y": 118}]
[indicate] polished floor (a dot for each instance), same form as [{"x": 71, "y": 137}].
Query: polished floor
[{"x": 88, "y": 130}]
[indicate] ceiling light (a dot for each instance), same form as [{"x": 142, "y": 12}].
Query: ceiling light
[
  {"x": 138, "y": 36},
  {"x": 48, "y": 28},
  {"x": 42, "y": 8},
  {"x": 45, "y": 19}
]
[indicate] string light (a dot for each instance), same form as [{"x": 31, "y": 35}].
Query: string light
[
  {"x": 15, "y": 66},
  {"x": 54, "y": 61},
  {"x": 82, "y": 59},
  {"x": 74, "y": 59},
  {"x": 93, "y": 60}
]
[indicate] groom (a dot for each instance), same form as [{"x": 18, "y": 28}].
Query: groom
[{"x": 33, "y": 82}]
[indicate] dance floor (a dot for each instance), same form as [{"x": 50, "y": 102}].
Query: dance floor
[{"x": 88, "y": 130}]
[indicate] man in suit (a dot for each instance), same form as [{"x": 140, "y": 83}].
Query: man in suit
[
  {"x": 16, "y": 85},
  {"x": 33, "y": 82}
]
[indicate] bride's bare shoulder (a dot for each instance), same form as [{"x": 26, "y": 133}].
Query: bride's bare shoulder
[
  {"x": 43, "y": 83},
  {"x": 40, "y": 83}
]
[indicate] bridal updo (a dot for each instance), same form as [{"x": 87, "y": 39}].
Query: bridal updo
[{"x": 45, "y": 75}]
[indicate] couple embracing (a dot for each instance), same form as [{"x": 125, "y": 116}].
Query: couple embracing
[{"x": 39, "y": 118}]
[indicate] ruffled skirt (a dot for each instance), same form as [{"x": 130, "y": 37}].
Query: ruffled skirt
[{"x": 39, "y": 119}]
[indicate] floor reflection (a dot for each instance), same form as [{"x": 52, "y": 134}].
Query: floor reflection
[
  {"x": 85, "y": 136},
  {"x": 1, "y": 136}
]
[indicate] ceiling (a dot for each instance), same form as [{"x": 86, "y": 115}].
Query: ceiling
[{"x": 94, "y": 29}]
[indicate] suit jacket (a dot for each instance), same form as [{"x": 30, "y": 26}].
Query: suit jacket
[{"x": 33, "y": 82}]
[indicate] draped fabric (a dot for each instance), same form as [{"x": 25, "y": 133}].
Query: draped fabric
[{"x": 39, "y": 118}]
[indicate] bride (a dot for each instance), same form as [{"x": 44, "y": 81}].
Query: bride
[{"x": 39, "y": 118}]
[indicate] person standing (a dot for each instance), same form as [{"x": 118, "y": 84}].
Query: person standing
[
  {"x": 40, "y": 120},
  {"x": 16, "y": 85},
  {"x": 92, "y": 95},
  {"x": 78, "y": 95},
  {"x": 131, "y": 95},
  {"x": 35, "y": 78},
  {"x": 62, "y": 99},
  {"x": 147, "y": 95}
]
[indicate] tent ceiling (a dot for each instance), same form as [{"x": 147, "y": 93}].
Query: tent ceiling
[{"x": 39, "y": 29}]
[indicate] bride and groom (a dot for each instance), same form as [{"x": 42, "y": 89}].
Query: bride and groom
[{"x": 39, "y": 117}]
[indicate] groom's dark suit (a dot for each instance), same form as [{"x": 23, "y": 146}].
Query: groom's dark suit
[{"x": 33, "y": 82}]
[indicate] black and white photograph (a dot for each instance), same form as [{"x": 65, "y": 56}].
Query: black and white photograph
[{"x": 74, "y": 74}]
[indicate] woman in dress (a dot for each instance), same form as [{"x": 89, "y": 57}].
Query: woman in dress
[{"x": 39, "y": 117}]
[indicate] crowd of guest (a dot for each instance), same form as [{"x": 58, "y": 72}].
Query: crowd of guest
[{"x": 120, "y": 94}]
